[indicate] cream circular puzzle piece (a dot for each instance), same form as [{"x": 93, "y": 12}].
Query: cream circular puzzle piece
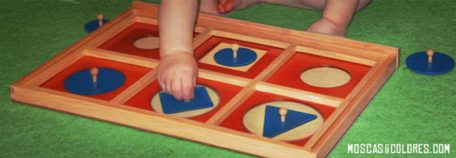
[
  {"x": 213, "y": 95},
  {"x": 254, "y": 120},
  {"x": 147, "y": 43},
  {"x": 209, "y": 57},
  {"x": 325, "y": 77}
]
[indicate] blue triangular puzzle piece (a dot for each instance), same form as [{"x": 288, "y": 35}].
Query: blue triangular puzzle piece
[
  {"x": 171, "y": 105},
  {"x": 273, "y": 126}
]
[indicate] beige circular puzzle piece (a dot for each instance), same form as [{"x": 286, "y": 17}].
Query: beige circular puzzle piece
[
  {"x": 254, "y": 120},
  {"x": 215, "y": 98},
  {"x": 325, "y": 77},
  {"x": 147, "y": 43}
]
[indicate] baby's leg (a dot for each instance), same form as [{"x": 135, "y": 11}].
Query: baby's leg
[
  {"x": 225, "y": 6},
  {"x": 313, "y": 4},
  {"x": 337, "y": 14}
]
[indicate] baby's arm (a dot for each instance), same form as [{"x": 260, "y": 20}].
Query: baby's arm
[{"x": 178, "y": 69}]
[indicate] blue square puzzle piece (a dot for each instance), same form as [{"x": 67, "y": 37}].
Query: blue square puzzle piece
[
  {"x": 273, "y": 126},
  {"x": 171, "y": 105}
]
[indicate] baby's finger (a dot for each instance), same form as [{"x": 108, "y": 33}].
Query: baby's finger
[
  {"x": 161, "y": 83},
  {"x": 194, "y": 78},
  {"x": 187, "y": 89},
  {"x": 176, "y": 89},
  {"x": 168, "y": 85},
  {"x": 162, "y": 86}
]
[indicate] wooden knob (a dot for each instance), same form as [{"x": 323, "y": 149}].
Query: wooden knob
[
  {"x": 235, "y": 48},
  {"x": 430, "y": 54},
  {"x": 94, "y": 73},
  {"x": 283, "y": 113},
  {"x": 100, "y": 18}
]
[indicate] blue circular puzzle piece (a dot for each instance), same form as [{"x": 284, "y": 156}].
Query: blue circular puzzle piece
[
  {"x": 81, "y": 82},
  {"x": 225, "y": 57},
  {"x": 93, "y": 25},
  {"x": 441, "y": 63}
]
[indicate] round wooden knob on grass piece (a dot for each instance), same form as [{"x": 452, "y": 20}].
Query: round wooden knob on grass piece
[
  {"x": 430, "y": 54},
  {"x": 100, "y": 18}
]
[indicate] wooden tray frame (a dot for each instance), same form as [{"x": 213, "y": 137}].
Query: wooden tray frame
[{"x": 382, "y": 59}]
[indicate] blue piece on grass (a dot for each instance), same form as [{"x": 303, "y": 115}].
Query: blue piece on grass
[
  {"x": 93, "y": 25},
  {"x": 273, "y": 125},
  {"x": 441, "y": 63},
  {"x": 171, "y": 105},
  {"x": 81, "y": 82},
  {"x": 225, "y": 57}
]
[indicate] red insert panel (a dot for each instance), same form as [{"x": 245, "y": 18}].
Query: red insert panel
[
  {"x": 123, "y": 42},
  {"x": 234, "y": 120},
  {"x": 290, "y": 73},
  {"x": 132, "y": 74},
  {"x": 225, "y": 91},
  {"x": 258, "y": 67}
]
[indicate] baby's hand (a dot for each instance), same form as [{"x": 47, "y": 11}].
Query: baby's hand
[{"x": 177, "y": 75}]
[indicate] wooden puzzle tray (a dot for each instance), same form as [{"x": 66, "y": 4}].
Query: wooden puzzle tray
[{"x": 283, "y": 75}]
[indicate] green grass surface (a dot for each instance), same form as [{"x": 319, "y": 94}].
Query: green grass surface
[{"x": 410, "y": 108}]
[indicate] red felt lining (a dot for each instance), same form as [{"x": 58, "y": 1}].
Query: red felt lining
[
  {"x": 289, "y": 74},
  {"x": 132, "y": 74},
  {"x": 225, "y": 91},
  {"x": 258, "y": 67},
  {"x": 234, "y": 120}
]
